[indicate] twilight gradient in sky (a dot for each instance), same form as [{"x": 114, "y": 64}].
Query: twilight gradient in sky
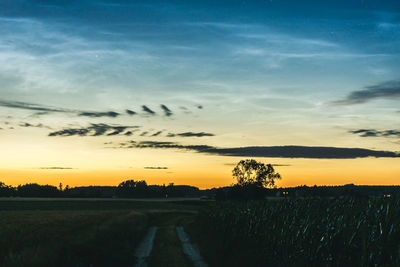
[{"x": 94, "y": 92}]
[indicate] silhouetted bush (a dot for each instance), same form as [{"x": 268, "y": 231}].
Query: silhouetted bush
[
  {"x": 35, "y": 190},
  {"x": 6, "y": 190}
]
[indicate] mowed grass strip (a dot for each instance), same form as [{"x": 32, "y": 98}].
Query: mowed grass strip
[
  {"x": 13, "y": 204},
  {"x": 167, "y": 250},
  {"x": 70, "y": 238}
]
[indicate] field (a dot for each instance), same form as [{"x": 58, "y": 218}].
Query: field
[
  {"x": 84, "y": 232},
  {"x": 301, "y": 232},
  {"x": 274, "y": 232}
]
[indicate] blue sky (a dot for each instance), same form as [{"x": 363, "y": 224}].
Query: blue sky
[{"x": 258, "y": 73}]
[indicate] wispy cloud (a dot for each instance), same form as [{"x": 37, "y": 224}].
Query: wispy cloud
[
  {"x": 190, "y": 134},
  {"x": 157, "y": 133},
  {"x": 100, "y": 129},
  {"x": 30, "y": 106},
  {"x": 111, "y": 114},
  {"x": 166, "y": 110},
  {"x": 268, "y": 151},
  {"x": 376, "y": 133},
  {"x": 385, "y": 90},
  {"x": 280, "y": 38},
  {"x": 128, "y": 133},
  {"x": 144, "y": 133},
  {"x": 46, "y": 110},
  {"x": 275, "y": 165},
  {"x": 29, "y": 125},
  {"x": 148, "y": 110},
  {"x": 156, "y": 168},
  {"x": 388, "y": 26},
  {"x": 130, "y": 112},
  {"x": 56, "y": 168}
]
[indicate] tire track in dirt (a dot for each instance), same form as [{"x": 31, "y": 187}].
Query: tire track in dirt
[
  {"x": 189, "y": 249},
  {"x": 145, "y": 247}
]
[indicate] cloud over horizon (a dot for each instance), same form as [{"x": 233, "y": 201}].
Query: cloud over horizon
[
  {"x": 99, "y": 129},
  {"x": 189, "y": 134},
  {"x": 376, "y": 133},
  {"x": 30, "y": 106},
  {"x": 130, "y": 112},
  {"x": 310, "y": 152},
  {"x": 56, "y": 168},
  {"x": 111, "y": 114},
  {"x": 148, "y": 110},
  {"x": 45, "y": 110},
  {"x": 167, "y": 111},
  {"x": 156, "y": 168},
  {"x": 385, "y": 90}
]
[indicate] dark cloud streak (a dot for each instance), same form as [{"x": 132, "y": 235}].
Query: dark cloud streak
[
  {"x": 376, "y": 133},
  {"x": 148, "y": 110},
  {"x": 386, "y": 90},
  {"x": 56, "y": 168},
  {"x": 156, "y": 168},
  {"x": 110, "y": 114},
  {"x": 99, "y": 129},
  {"x": 190, "y": 134},
  {"x": 29, "y": 106},
  {"x": 157, "y": 133},
  {"x": 29, "y": 125},
  {"x": 130, "y": 112},
  {"x": 269, "y": 151},
  {"x": 166, "y": 110}
]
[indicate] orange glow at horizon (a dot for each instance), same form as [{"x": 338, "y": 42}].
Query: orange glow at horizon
[{"x": 369, "y": 171}]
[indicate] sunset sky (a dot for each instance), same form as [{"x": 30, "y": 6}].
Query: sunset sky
[{"x": 97, "y": 92}]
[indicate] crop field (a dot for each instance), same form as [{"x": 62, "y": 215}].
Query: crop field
[
  {"x": 301, "y": 232},
  {"x": 273, "y": 232},
  {"x": 81, "y": 232}
]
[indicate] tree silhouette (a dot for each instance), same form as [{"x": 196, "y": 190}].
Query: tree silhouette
[
  {"x": 6, "y": 190},
  {"x": 36, "y": 190},
  {"x": 131, "y": 188},
  {"x": 251, "y": 172}
]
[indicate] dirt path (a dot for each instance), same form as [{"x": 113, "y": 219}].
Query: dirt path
[
  {"x": 167, "y": 251},
  {"x": 189, "y": 249},
  {"x": 167, "y": 244},
  {"x": 145, "y": 247}
]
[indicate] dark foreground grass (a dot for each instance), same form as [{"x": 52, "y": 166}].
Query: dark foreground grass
[
  {"x": 14, "y": 204},
  {"x": 81, "y": 232},
  {"x": 70, "y": 238},
  {"x": 301, "y": 232}
]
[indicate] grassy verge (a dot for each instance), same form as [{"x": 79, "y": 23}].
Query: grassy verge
[
  {"x": 13, "y": 204},
  {"x": 82, "y": 232},
  {"x": 70, "y": 238}
]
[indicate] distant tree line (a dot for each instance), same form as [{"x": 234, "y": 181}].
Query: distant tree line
[
  {"x": 246, "y": 193},
  {"x": 126, "y": 189},
  {"x": 254, "y": 180},
  {"x": 140, "y": 189}
]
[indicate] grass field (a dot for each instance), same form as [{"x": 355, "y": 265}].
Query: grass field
[
  {"x": 273, "y": 232},
  {"x": 301, "y": 232},
  {"x": 85, "y": 232}
]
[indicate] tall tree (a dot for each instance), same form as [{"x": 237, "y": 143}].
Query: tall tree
[{"x": 252, "y": 172}]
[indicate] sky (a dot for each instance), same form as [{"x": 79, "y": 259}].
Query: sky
[{"x": 97, "y": 92}]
